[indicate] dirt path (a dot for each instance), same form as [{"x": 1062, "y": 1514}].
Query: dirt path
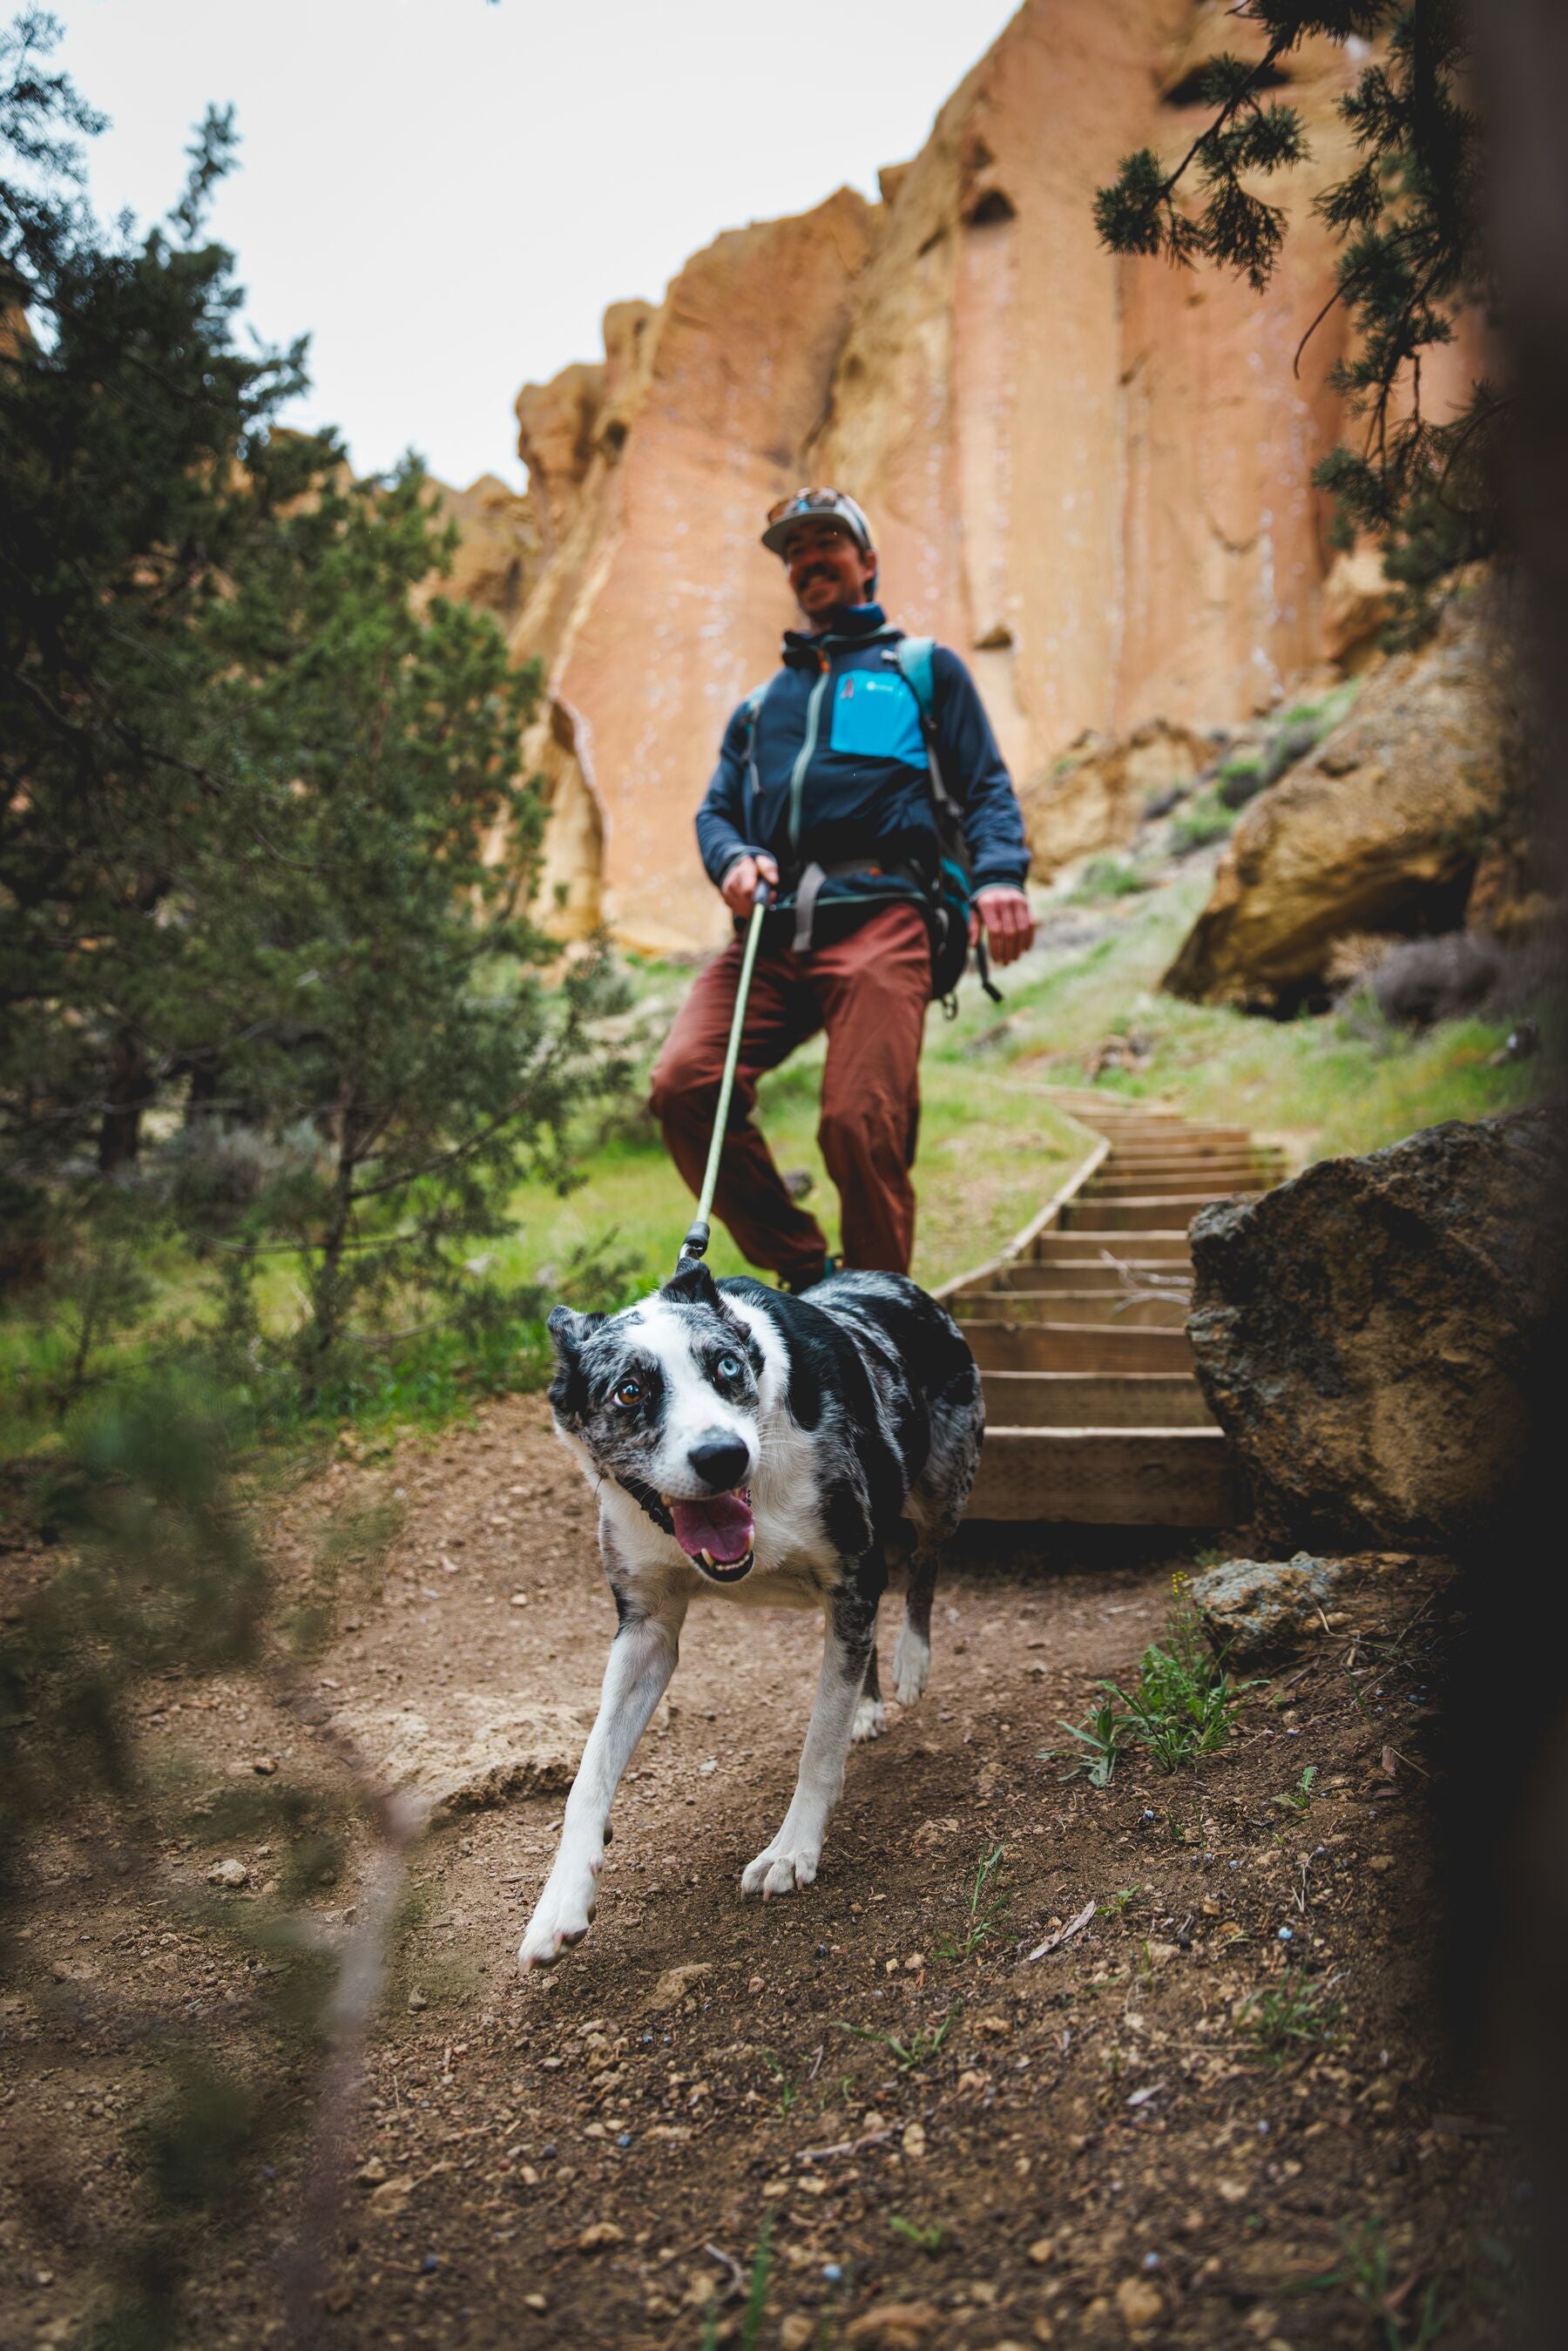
[{"x": 946, "y": 2149}]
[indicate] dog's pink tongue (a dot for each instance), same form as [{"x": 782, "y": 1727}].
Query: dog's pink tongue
[{"x": 723, "y": 1525}]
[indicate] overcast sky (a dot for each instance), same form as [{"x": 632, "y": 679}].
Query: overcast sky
[{"x": 446, "y": 193}]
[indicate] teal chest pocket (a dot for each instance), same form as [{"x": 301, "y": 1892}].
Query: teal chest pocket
[{"x": 877, "y": 717}]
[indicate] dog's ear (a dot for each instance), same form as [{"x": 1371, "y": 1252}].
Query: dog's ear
[
  {"x": 569, "y": 1389},
  {"x": 568, "y": 1329},
  {"x": 692, "y": 1284}
]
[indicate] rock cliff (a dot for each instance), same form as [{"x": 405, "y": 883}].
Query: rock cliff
[
  {"x": 1089, "y": 476},
  {"x": 1378, "y": 834}
]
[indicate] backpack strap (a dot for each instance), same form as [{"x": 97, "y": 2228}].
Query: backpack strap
[
  {"x": 911, "y": 657},
  {"x": 751, "y": 704}
]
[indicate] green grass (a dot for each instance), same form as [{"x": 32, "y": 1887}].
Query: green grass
[
  {"x": 992, "y": 1148},
  {"x": 1321, "y": 1086},
  {"x": 986, "y": 1902},
  {"x": 907, "y": 2052},
  {"x": 1288, "y": 2018},
  {"x": 1183, "y": 1705},
  {"x": 989, "y": 1154}
]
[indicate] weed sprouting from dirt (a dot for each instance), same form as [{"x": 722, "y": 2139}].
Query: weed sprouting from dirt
[
  {"x": 1366, "y": 2269},
  {"x": 1185, "y": 1702},
  {"x": 1289, "y": 2017},
  {"x": 988, "y": 1904},
  {"x": 1297, "y": 1799},
  {"x": 755, "y": 2298},
  {"x": 919, "y": 2048},
  {"x": 929, "y": 2238},
  {"x": 787, "y": 2085},
  {"x": 1103, "y": 1737},
  {"x": 1183, "y": 1705}
]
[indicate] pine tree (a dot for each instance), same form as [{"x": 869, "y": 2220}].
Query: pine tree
[
  {"x": 348, "y": 964},
  {"x": 1411, "y": 256},
  {"x": 265, "y": 845},
  {"x": 138, "y": 466}
]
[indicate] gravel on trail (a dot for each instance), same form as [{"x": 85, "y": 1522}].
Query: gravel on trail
[{"x": 1208, "y": 2115}]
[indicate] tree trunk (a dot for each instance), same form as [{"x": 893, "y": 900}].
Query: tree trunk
[{"x": 127, "y": 1093}]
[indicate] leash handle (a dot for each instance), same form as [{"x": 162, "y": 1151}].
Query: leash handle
[{"x": 698, "y": 1235}]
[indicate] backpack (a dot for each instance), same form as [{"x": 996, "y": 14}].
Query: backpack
[{"x": 949, "y": 891}]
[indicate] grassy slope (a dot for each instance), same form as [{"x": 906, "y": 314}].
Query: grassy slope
[
  {"x": 1339, "y": 1083},
  {"x": 993, "y": 1145},
  {"x": 989, "y": 1152}
]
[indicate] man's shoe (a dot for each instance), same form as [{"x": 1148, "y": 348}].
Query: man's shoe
[{"x": 830, "y": 1264}]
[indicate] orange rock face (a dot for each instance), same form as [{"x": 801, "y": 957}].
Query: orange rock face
[{"x": 1090, "y": 477}]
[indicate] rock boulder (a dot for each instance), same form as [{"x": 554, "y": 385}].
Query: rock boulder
[
  {"x": 1255, "y": 1610},
  {"x": 1379, "y": 830},
  {"x": 1367, "y": 1335},
  {"x": 1094, "y": 797}
]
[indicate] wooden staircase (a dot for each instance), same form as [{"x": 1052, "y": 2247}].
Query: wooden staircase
[{"x": 1093, "y": 1414}]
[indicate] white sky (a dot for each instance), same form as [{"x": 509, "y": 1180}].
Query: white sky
[{"x": 446, "y": 193}]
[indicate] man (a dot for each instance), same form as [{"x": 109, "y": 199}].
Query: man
[{"x": 823, "y": 790}]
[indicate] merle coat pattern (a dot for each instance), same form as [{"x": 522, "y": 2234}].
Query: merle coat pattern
[{"x": 768, "y": 1449}]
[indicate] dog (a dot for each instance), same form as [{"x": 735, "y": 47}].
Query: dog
[{"x": 769, "y": 1449}]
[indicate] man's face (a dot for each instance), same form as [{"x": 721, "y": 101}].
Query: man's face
[{"x": 826, "y": 568}]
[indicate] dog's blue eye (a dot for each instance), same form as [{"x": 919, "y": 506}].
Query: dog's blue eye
[
  {"x": 629, "y": 1392},
  {"x": 729, "y": 1367}
]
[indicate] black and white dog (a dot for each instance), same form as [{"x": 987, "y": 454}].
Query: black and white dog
[{"x": 765, "y": 1448}]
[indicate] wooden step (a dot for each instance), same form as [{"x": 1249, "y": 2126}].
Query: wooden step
[
  {"x": 1216, "y": 1181},
  {"x": 1107, "y": 1477},
  {"x": 1153, "y": 1211},
  {"x": 1075, "y": 1347},
  {"x": 1088, "y": 1273},
  {"x": 1123, "y": 1309},
  {"x": 1152, "y": 1246},
  {"x": 1184, "y": 1150},
  {"x": 1094, "y": 1400},
  {"x": 1206, "y": 1170}
]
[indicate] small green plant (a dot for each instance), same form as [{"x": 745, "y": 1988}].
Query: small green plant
[
  {"x": 1185, "y": 1701},
  {"x": 929, "y": 2238},
  {"x": 1289, "y": 2017},
  {"x": 1206, "y": 820},
  {"x": 1366, "y": 2271},
  {"x": 918, "y": 2050},
  {"x": 1110, "y": 877},
  {"x": 987, "y": 1904},
  {"x": 788, "y": 2088},
  {"x": 1115, "y": 1903},
  {"x": 1297, "y": 1799},
  {"x": 1102, "y": 1737},
  {"x": 755, "y": 2298}
]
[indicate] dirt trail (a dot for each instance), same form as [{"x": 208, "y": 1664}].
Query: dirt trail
[{"x": 968, "y": 2150}]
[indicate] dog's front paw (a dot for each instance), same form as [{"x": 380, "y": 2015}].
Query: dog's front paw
[
  {"x": 870, "y": 1716},
  {"x": 785, "y": 1865},
  {"x": 561, "y": 1918},
  {"x": 911, "y": 1665}
]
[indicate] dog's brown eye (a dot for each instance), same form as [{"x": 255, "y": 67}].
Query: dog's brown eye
[{"x": 629, "y": 1392}]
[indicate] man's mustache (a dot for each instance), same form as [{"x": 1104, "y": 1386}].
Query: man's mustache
[{"x": 815, "y": 571}]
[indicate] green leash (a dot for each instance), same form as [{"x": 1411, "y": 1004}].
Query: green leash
[{"x": 696, "y": 1239}]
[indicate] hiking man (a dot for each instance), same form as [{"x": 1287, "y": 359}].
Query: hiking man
[{"x": 827, "y": 790}]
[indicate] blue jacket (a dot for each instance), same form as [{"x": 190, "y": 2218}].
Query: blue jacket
[{"x": 835, "y": 768}]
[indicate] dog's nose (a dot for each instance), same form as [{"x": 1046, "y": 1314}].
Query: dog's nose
[{"x": 720, "y": 1461}]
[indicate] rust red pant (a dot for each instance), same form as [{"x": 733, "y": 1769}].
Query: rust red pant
[{"x": 870, "y": 993}]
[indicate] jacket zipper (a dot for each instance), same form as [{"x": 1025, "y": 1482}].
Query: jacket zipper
[{"x": 803, "y": 759}]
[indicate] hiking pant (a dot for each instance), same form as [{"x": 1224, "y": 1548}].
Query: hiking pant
[{"x": 870, "y": 992}]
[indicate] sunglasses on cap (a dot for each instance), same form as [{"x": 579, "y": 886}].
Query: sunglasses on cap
[
  {"x": 807, "y": 502},
  {"x": 803, "y": 505}
]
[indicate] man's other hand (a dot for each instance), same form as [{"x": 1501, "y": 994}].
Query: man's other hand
[
  {"x": 740, "y": 885},
  {"x": 1005, "y": 912}
]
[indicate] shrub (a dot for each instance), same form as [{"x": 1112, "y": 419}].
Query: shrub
[{"x": 1205, "y": 821}]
